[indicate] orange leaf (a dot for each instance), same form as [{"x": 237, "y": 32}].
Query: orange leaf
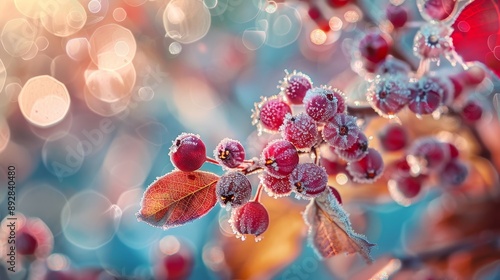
[
  {"x": 330, "y": 230},
  {"x": 178, "y": 198}
]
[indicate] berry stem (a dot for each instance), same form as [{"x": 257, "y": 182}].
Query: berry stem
[
  {"x": 257, "y": 194},
  {"x": 211, "y": 160}
]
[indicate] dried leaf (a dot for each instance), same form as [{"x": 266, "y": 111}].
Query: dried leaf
[
  {"x": 178, "y": 198},
  {"x": 330, "y": 230}
]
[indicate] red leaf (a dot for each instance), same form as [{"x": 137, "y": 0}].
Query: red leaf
[
  {"x": 477, "y": 33},
  {"x": 178, "y": 198},
  {"x": 330, "y": 230}
]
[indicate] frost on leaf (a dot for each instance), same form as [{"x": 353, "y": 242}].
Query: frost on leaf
[
  {"x": 178, "y": 198},
  {"x": 330, "y": 231}
]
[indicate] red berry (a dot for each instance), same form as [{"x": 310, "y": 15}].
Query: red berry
[
  {"x": 337, "y": 3},
  {"x": 308, "y": 180},
  {"x": 472, "y": 111},
  {"x": 301, "y": 130},
  {"x": 276, "y": 187},
  {"x": 341, "y": 131},
  {"x": 388, "y": 94},
  {"x": 393, "y": 137},
  {"x": 270, "y": 113},
  {"x": 233, "y": 188},
  {"x": 374, "y": 47},
  {"x": 454, "y": 173},
  {"x": 368, "y": 169},
  {"x": 453, "y": 150},
  {"x": 356, "y": 151},
  {"x": 432, "y": 41},
  {"x": 280, "y": 157},
  {"x": 404, "y": 189},
  {"x": 26, "y": 243},
  {"x": 332, "y": 167},
  {"x": 426, "y": 95},
  {"x": 177, "y": 263},
  {"x": 398, "y": 168},
  {"x": 188, "y": 152},
  {"x": 229, "y": 153},
  {"x": 397, "y": 15},
  {"x": 341, "y": 102},
  {"x": 295, "y": 86},
  {"x": 436, "y": 9},
  {"x": 428, "y": 154},
  {"x": 321, "y": 103},
  {"x": 251, "y": 218},
  {"x": 335, "y": 193}
]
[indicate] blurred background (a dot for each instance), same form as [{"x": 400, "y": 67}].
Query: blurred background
[{"x": 92, "y": 93}]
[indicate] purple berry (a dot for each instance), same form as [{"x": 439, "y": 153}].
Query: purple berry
[
  {"x": 428, "y": 154},
  {"x": 454, "y": 173},
  {"x": 270, "y": 113},
  {"x": 301, "y": 130},
  {"x": 251, "y": 218},
  {"x": 426, "y": 95},
  {"x": 276, "y": 187},
  {"x": 280, "y": 157},
  {"x": 229, "y": 153},
  {"x": 188, "y": 152},
  {"x": 308, "y": 180},
  {"x": 356, "y": 151},
  {"x": 341, "y": 131},
  {"x": 368, "y": 169},
  {"x": 233, "y": 188},
  {"x": 295, "y": 86},
  {"x": 388, "y": 94},
  {"x": 393, "y": 137},
  {"x": 321, "y": 103}
]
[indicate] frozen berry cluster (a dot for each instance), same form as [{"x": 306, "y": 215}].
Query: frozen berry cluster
[{"x": 306, "y": 118}]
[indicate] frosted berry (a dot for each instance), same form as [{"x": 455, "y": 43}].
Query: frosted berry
[
  {"x": 388, "y": 94},
  {"x": 341, "y": 131},
  {"x": 321, "y": 103},
  {"x": 432, "y": 41},
  {"x": 270, "y": 113},
  {"x": 356, "y": 151},
  {"x": 398, "y": 168},
  {"x": 251, "y": 218},
  {"x": 436, "y": 9},
  {"x": 308, "y": 180},
  {"x": 397, "y": 15},
  {"x": 393, "y": 137},
  {"x": 332, "y": 167},
  {"x": 341, "y": 101},
  {"x": 472, "y": 111},
  {"x": 301, "y": 130},
  {"x": 374, "y": 47},
  {"x": 294, "y": 86},
  {"x": 229, "y": 153},
  {"x": 188, "y": 152},
  {"x": 368, "y": 169},
  {"x": 454, "y": 173},
  {"x": 276, "y": 187},
  {"x": 428, "y": 154},
  {"x": 233, "y": 188},
  {"x": 404, "y": 190},
  {"x": 426, "y": 95},
  {"x": 335, "y": 193},
  {"x": 26, "y": 243},
  {"x": 280, "y": 157}
]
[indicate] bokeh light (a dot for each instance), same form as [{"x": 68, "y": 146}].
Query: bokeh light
[
  {"x": 112, "y": 47},
  {"x": 186, "y": 21},
  {"x": 18, "y": 37},
  {"x": 62, "y": 18},
  {"x": 63, "y": 155}
]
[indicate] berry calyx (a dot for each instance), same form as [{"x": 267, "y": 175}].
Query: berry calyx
[
  {"x": 251, "y": 218},
  {"x": 374, "y": 47},
  {"x": 367, "y": 169},
  {"x": 229, "y": 153},
  {"x": 188, "y": 152},
  {"x": 341, "y": 131},
  {"x": 270, "y": 113},
  {"x": 308, "y": 180},
  {"x": 301, "y": 130},
  {"x": 280, "y": 157},
  {"x": 432, "y": 41},
  {"x": 393, "y": 137},
  {"x": 233, "y": 188},
  {"x": 294, "y": 86}
]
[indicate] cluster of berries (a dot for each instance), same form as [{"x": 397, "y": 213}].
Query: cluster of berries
[{"x": 306, "y": 117}]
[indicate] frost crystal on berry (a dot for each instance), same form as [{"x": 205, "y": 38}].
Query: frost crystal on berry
[
  {"x": 368, "y": 169},
  {"x": 276, "y": 187},
  {"x": 341, "y": 131},
  {"x": 294, "y": 86},
  {"x": 427, "y": 95},
  {"x": 269, "y": 114},
  {"x": 356, "y": 151},
  {"x": 229, "y": 153},
  {"x": 279, "y": 158},
  {"x": 427, "y": 154},
  {"x": 233, "y": 188},
  {"x": 308, "y": 180},
  {"x": 321, "y": 103},
  {"x": 251, "y": 218},
  {"x": 388, "y": 94},
  {"x": 432, "y": 41},
  {"x": 301, "y": 130}
]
